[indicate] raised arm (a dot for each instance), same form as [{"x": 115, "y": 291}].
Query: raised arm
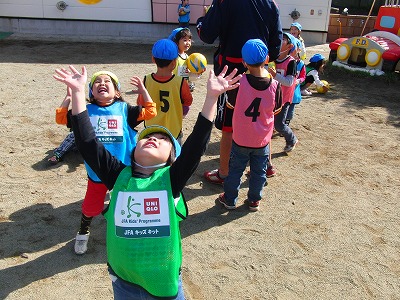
[
  {"x": 76, "y": 82},
  {"x": 196, "y": 143},
  {"x": 149, "y": 107}
]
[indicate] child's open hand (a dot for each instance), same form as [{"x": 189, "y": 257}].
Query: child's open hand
[
  {"x": 216, "y": 85},
  {"x": 138, "y": 83},
  {"x": 73, "y": 79}
]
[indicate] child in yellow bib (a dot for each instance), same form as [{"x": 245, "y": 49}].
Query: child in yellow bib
[{"x": 171, "y": 93}]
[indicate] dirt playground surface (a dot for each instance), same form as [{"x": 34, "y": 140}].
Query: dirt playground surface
[{"x": 328, "y": 228}]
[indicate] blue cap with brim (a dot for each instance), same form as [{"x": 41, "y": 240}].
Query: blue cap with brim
[
  {"x": 165, "y": 49},
  {"x": 292, "y": 41},
  {"x": 291, "y": 38},
  {"x": 317, "y": 57},
  {"x": 174, "y": 33},
  {"x": 254, "y": 51},
  {"x": 297, "y": 25},
  {"x": 160, "y": 129}
]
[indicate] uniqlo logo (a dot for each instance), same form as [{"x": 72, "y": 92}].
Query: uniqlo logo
[
  {"x": 151, "y": 206},
  {"x": 112, "y": 124}
]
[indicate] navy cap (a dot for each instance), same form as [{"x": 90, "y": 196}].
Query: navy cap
[
  {"x": 165, "y": 49},
  {"x": 254, "y": 51},
  {"x": 297, "y": 25},
  {"x": 317, "y": 57}
]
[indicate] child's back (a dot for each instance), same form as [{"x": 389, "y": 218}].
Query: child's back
[
  {"x": 169, "y": 92},
  {"x": 253, "y": 117},
  {"x": 253, "y": 123}
]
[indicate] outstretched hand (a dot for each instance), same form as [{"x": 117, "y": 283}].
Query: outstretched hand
[
  {"x": 73, "y": 79},
  {"x": 138, "y": 83},
  {"x": 216, "y": 85},
  {"x": 76, "y": 82}
]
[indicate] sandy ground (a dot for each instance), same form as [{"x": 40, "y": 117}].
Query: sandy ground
[{"x": 328, "y": 228}]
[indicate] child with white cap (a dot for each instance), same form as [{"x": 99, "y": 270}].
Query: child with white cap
[
  {"x": 144, "y": 249},
  {"x": 171, "y": 93},
  {"x": 258, "y": 99}
]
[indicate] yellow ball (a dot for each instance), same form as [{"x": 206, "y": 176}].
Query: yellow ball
[
  {"x": 89, "y": 2},
  {"x": 197, "y": 63},
  {"x": 323, "y": 89}
]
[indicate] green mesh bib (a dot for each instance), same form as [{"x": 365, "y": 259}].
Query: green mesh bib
[{"x": 143, "y": 237}]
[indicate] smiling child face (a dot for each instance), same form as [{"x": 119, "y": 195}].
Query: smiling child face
[{"x": 103, "y": 90}]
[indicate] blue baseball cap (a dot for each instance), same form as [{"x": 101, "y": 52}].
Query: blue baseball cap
[
  {"x": 291, "y": 38},
  {"x": 317, "y": 57},
  {"x": 165, "y": 49},
  {"x": 174, "y": 33},
  {"x": 297, "y": 25},
  {"x": 254, "y": 51},
  {"x": 292, "y": 41},
  {"x": 160, "y": 129}
]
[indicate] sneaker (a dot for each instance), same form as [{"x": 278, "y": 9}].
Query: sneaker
[
  {"x": 306, "y": 92},
  {"x": 253, "y": 205},
  {"x": 54, "y": 159},
  {"x": 222, "y": 200},
  {"x": 289, "y": 147},
  {"x": 81, "y": 242},
  {"x": 271, "y": 171},
  {"x": 213, "y": 177}
]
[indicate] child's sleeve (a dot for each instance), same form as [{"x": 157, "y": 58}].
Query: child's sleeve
[
  {"x": 303, "y": 54},
  {"x": 106, "y": 166},
  {"x": 61, "y": 115},
  {"x": 140, "y": 99},
  {"x": 290, "y": 76},
  {"x": 186, "y": 95},
  {"x": 149, "y": 111},
  {"x": 317, "y": 81},
  {"x": 302, "y": 74},
  {"x": 192, "y": 150},
  {"x": 278, "y": 100}
]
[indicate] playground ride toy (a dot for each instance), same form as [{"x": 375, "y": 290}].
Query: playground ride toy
[{"x": 376, "y": 52}]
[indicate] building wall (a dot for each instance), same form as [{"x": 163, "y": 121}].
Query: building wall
[
  {"x": 145, "y": 20},
  {"x": 348, "y": 26}
]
